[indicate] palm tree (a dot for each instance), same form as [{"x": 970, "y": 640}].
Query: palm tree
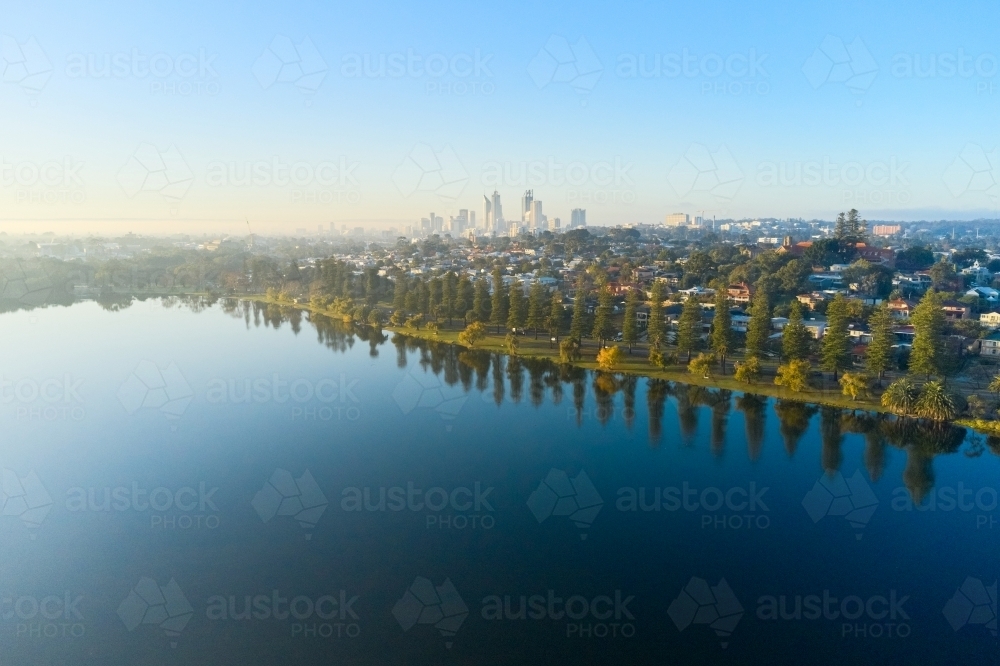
[
  {"x": 900, "y": 397},
  {"x": 934, "y": 403}
]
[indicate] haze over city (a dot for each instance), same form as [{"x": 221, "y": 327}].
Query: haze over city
[{"x": 154, "y": 120}]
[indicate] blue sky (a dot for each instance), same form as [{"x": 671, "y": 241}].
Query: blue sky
[{"x": 841, "y": 109}]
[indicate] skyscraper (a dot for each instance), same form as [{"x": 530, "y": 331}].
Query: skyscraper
[
  {"x": 487, "y": 214},
  {"x": 526, "y": 201},
  {"x": 497, "y": 212},
  {"x": 578, "y": 218},
  {"x": 535, "y": 215}
]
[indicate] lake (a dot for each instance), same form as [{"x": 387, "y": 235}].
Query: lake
[{"x": 227, "y": 482}]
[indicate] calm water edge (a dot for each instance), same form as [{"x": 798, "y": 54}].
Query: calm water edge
[{"x": 230, "y": 483}]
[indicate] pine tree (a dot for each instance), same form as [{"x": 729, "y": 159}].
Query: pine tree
[
  {"x": 630, "y": 332},
  {"x": 448, "y": 295},
  {"x": 579, "y": 322},
  {"x": 689, "y": 327},
  {"x": 515, "y": 314},
  {"x": 840, "y": 230},
  {"x": 498, "y": 311},
  {"x": 879, "y": 356},
  {"x": 722, "y": 328},
  {"x": 554, "y": 321},
  {"x": 654, "y": 326},
  {"x": 795, "y": 338},
  {"x": 536, "y": 307},
  {"x": 602, "y": 317},
  {"x": 463, "y": 296},
  {"x": 928, "y": 326},
  {"x": 399, "y": 293},
  {"x": 481, "y": 300},
  {"x": 835, "y": 353},
  {"x": 857, "y": 227},
  {"x": 435, "y": 291},
  {"x": 759, "y": 327}
]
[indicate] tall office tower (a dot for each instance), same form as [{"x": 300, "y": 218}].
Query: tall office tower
[
  {"x": 497, "y": 209},
  {"x": 578, "y": 218},
  {"x": 457, "y": 224},
  {"x": 535, "y": 216},
  {"x": 487, "y": 213},
  {"x": 557, "y": 225},
  {"x": 526, "y": 201},
  {"x": 699, "y": 221},
  {"x": 472, "y": 219},
  {"x": 333, "y": 228}
]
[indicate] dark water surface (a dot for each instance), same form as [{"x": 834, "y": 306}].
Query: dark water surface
[{"x": 236, "y": 484}]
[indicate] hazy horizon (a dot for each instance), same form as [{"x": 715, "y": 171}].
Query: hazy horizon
[{"x": 147, "y": 119}]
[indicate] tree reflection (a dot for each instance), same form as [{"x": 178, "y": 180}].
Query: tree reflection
[
  {"x": 830, "y": 432},
  {"x": 752, "y": 406},
  {"x": 794, "y": 420},
  {"x": 628, "y": 385},
  {"x": 921, "y": 441},
  {"x": 687, "y": 414},
  {"x": 605, "y": 387},
  {"x": 515, "y": 375},
  {"x": 657, "y": 391},
  {"x": 498, "y": 384},
  {"x": 719, "y": 402}
]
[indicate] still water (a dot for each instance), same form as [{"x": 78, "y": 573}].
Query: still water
[{"x": 191, "y": 482}]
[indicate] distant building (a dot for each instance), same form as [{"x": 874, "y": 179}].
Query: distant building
[
  {"x": 990, "y": 319},
  {"x": 886, "y": 230},
  {"x": 954, "y": 310},
  {"x": 990, "y": 345},
  {"x": 740, "y": 293},
  {"x": 578, "y": 218},
  {"x": 677, "y": 220},
  {"x": 900, "y": 308}
]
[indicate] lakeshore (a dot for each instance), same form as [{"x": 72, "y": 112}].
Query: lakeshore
[{"x": 637, "y": 364}]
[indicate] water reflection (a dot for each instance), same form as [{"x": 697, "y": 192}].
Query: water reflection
[{"x": 615, "y": 396}]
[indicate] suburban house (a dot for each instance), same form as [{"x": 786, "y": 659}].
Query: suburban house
[
  {"x": 990, "y": 319},
  {"x": 990, "y": 345},
  {"x": 988, "y": 294},
  {"x": 954, "y": 310},
  {"x": 740, "y": 293},
  {"x": 901, "y": 308},
  {"x": 980, "y": 274},
  {"x": 811, "y": 300}
]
